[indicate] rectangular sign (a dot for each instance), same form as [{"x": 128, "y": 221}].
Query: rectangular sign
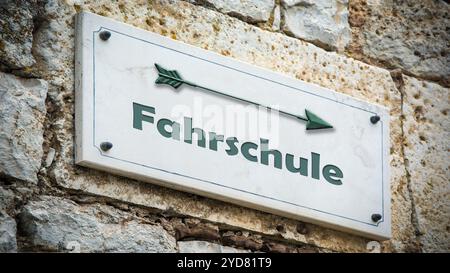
[{"x": 165, "y": 112}]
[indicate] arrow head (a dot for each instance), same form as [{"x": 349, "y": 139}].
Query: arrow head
[
  {"x": 169, "y": 77},
  {"x": 314, "y": 122}
]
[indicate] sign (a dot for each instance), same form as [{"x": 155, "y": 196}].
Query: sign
[{"x": 164, "y": 112}]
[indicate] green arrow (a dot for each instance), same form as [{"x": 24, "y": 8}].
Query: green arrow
[{"x": 173, "y": 78}]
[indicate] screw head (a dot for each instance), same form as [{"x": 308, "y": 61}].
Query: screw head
[
  {"x": 104, "y": 35},
  {"x": 376, "y": 217},
  {"x": 106, "y": 146},
  {"x": 374, "y": 119}
]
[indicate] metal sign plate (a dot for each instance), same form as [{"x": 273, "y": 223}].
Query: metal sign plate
[{"x": 161, "y": 111}]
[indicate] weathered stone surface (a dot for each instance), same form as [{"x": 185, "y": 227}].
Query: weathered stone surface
[
  {"x": 206, "y": 247},
  {"x": 239, "y": 240},
  {"x": 54, "y": 47},
  {"x": 55, "y": 223},
  {"x": 6, "y": 198},
  {"x": 50, "y": 157},
  {"x": 7, "y": 233},
  {"x": 278, "y": 248},
  {"x": 252, "y": 11},
  {"x": 324, "y": 22},
  {"x": 199, "y": 231},
  {"x": 427, "y": 143},
  {"x": 22, "y": 112},
  {"x": 276, "y": 19},
  {"x": 412, "y": 35},
  {"x": 17, "y": 22}
]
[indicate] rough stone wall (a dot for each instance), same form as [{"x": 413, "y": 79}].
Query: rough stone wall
[{"x": 394, "y": 53}]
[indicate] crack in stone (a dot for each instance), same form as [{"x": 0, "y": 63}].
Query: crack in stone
[{"x": 397, "y": 77}]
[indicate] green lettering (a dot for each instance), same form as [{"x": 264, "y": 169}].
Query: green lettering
[
  {"x": 315, "y": 166},
  {"x": 265, "y": 152},
  {"x": 213, "y": 139},
  {"x": 138, "y": 116},
  {"x": 245, "y": 150},
  {"x": 302, "y": 169},
  {"x": 330, "y": 172},
  {"x": 174, "y": 133},
  {"x": 233, "y": 150},
  {"x": 171, "y": 129},
  {"x": 188, "y": 130}
]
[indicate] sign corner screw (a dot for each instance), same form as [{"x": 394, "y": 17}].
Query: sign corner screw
[
  {"x": 104, "y": 35},
  {"x": 106, "y": 146},
  {"x": 376, "y": 217},
  {"x": 374, "y": 119}
]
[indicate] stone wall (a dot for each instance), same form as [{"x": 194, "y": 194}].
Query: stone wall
[{"x": 393, "y": 53}]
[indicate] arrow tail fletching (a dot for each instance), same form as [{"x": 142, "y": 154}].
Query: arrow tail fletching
[
  {"x": 168, "y": 77},
  {"x": 163, "y": 80}
]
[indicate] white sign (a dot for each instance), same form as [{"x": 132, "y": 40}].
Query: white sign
[{"x": 165, "y": 112}]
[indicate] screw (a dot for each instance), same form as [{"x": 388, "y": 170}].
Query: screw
[
  {"x": 104, "y": 35},
  {"x": 105, "y": 146},
  {"x": 374, "y": 119},
  {"x": 376, "y": 217}
]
